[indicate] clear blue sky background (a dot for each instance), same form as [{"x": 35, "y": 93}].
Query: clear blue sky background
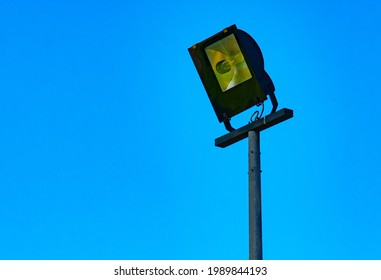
[{"x": 107, "y": 134}]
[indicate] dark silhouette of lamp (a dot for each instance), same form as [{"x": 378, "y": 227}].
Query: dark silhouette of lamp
[{"x": 231, "y": 67}]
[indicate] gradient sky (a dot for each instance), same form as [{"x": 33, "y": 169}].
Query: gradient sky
[{"x": 107, "y": 134}]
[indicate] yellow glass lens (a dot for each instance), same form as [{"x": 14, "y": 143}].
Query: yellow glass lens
[{"x": 228, "y": 62}]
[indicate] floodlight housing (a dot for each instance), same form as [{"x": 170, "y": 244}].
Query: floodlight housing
[{"x": 231, "y": 67}]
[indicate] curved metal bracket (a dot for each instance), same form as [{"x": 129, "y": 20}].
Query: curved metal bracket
[
  {"x": 228, "y": 126},
  {"x": 274, "y": 101}
]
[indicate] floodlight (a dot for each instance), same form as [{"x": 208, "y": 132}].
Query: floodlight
[{"x": 230, "y": 65}]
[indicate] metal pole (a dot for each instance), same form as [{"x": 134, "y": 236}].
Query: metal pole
[{"x": 255, "y": 207}]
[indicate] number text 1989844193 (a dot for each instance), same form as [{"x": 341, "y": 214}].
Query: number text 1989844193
[{"x": 250, "y": 271}]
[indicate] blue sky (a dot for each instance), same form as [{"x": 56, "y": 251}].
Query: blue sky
[{"x": 107, "y": 134}]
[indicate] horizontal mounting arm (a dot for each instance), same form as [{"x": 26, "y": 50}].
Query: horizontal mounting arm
[{"x": 259, "y": 125}]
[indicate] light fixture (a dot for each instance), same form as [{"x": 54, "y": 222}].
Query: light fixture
[{"x": 230, "y": 65}]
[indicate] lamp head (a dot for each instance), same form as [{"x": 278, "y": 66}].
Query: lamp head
[{"x": 230, "y": 65}]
